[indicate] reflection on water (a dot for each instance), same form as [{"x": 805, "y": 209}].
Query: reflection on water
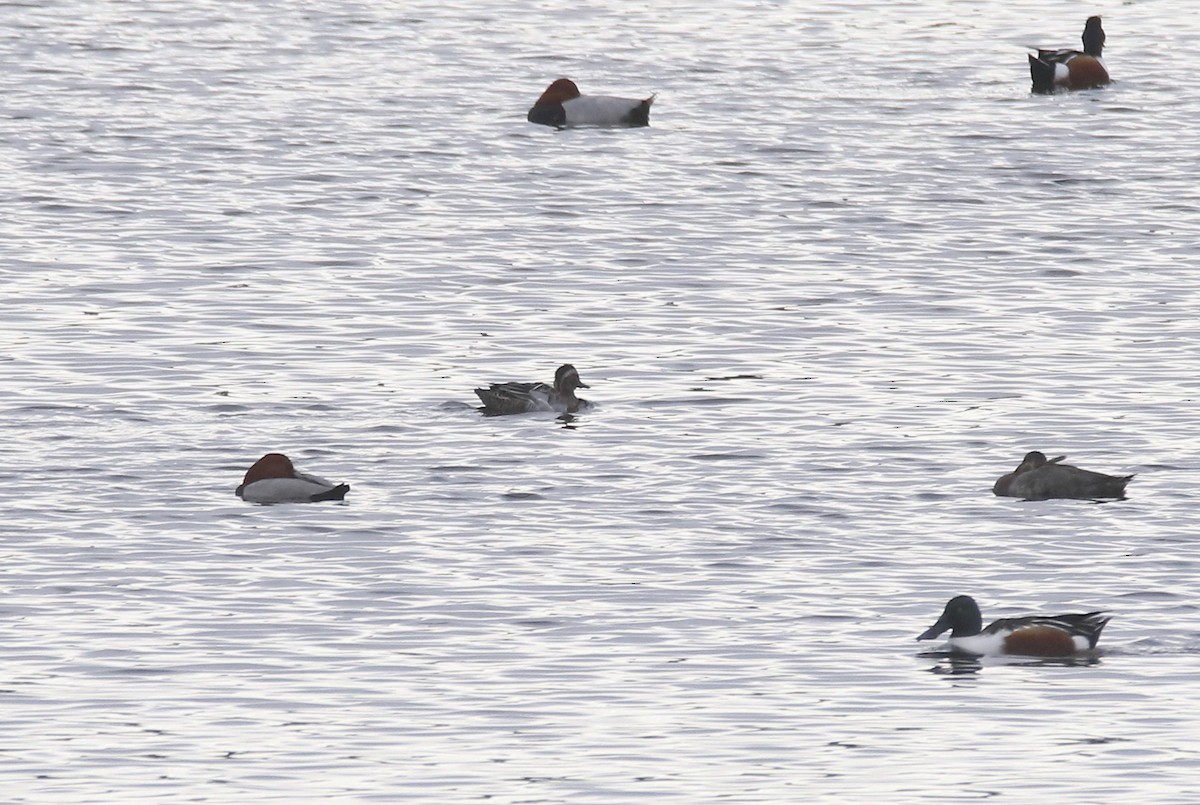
[{"x": 954, "y": 663}]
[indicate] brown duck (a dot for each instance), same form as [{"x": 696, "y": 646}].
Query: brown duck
[
  {"x": 520, "y": 398},
  {"x": 1037, "y": 478}
]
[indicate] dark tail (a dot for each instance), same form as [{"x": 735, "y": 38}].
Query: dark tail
[
  {"x": 1117, "y": 486},
  {"x": 1042, "y": 73},
  {"x": 639, "y": 116},
  {"x": 337, "y": 493},
  {"x": 1096, "y": 621}
]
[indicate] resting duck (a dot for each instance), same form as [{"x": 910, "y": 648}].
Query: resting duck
[
  {"x": 1035, "y": 478},
  {"x": 561, "y": 105},
  {"x": 520, "y": 398},
  {"x": 273, "y": 479},
  {"x": 1071, "y": 69},
  {"x": 1032, "y": 636}
]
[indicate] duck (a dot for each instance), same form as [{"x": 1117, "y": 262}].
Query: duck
[
  {"x": 1039, "y": 478},
  {"x": 273, "y": 479},
  {"x": 520, "y": 398},
  {"x": 1031, "y": 636},
  {"x": 563, "y": 106},
  {"x": 1071, "y": 69}
]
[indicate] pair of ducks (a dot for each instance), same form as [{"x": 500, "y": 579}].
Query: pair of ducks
[
  {"x": 274, "y": 479},
  {"x": 1035, "y": 478},
  {"x": 562, "y": 105}
]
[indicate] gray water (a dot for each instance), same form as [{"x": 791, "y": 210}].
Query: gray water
[{"x": 851, "y": 273}]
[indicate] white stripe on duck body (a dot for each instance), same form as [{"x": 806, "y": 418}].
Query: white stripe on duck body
[
  {"x": 274, "y": 479},
  {"x": 522, "y": 398},
  {"x": 1030, "y": 636},
  {"x": 1039, "y": 478},
  {"x": 563, "y": 106},
  {"x": 1051, "y": 70}
]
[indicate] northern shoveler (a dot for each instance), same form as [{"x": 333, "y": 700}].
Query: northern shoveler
[
  {"x": 1071, "y": 69},
  {"x": 1037, "y": 478},
  {"x": 520, "y": 398},
  {"x": 562, "y": 105},
  {"x": 1033, "y": 636},
  {"x": 273, "y": 479}
]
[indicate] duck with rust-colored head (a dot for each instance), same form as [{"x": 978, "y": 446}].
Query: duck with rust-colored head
[
  {"x": 563, "y": 106},
  {"x": 522, "y": 398},
  {"x": 273, "y": 479},
  {"x": 1039, "y": 478},
  {"x": 1031, "y": 636},
  {"x": 1071, "y": 69}
]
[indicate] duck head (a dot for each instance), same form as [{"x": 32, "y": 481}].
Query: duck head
[
  {"x": 566, "y": 378},
  {"x": 1093, "y": 37},
  {"x": 961, "y": 616},
  {"x": 1035, "y": 460},
  {"x": 560, "y": 90},
  {"x": 272, "y": 465}
]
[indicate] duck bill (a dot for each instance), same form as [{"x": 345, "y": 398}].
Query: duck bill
[
  {"x": 933, "y": 631},
  {"x": 583, "y": 385}
]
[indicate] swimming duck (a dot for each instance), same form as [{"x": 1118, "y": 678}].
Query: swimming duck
[
  {"x": 1071, "y": 69},
  {"x": 1034, "y": 636},
  {"x": 520, "y": 398},
  {"x": 562, "y": 105},
  {"x": 1035, "y": 478},
  {"x": 273, "y": 479}
]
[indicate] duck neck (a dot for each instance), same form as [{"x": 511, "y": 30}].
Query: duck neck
[
  {"x": 1093, "y": 38},
  {"x": 968, "y": 627}
]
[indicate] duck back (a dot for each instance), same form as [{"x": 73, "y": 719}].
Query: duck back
[{"x": 1065, "y": 481}]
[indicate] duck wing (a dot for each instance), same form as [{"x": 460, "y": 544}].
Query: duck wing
[
  {"x": 1058, "y": 55},
  {"x": 515, "y": 398}
]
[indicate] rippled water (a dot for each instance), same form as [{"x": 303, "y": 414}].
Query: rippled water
[{"x": 851, "y": 273}]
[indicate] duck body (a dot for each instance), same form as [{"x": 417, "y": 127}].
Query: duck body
[
  {"x": 563, "y": 106},
  {"x": 1037, "y": 478},
  {"x": 1052, "y": 70},
  {"x": 522, "y": 398},
  {"x": 273, "y": 479},
  {"x": 1030, "y": 636}
]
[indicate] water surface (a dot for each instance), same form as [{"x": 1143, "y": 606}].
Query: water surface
[{"x": 851, "y": 273}]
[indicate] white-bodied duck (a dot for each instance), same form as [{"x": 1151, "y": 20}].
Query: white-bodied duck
[
  {"x": 563, "y": 106},
  {"x": 1031, "y": 636},
  {"x": 273, "y": 479}
]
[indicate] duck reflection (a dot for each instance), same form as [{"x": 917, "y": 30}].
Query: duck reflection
[{"x": 957, "y": 664}]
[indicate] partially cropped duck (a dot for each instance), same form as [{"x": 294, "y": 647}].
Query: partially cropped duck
[
  {"x": 520, "y": 398},
  {"x": 1032, "y": 636},
  {"x": 273, "y": 479},
  {"x": 1071, "y": 69},
  {"x": 1037, "y": 478},
  {"x": 562, "y": 106}
]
